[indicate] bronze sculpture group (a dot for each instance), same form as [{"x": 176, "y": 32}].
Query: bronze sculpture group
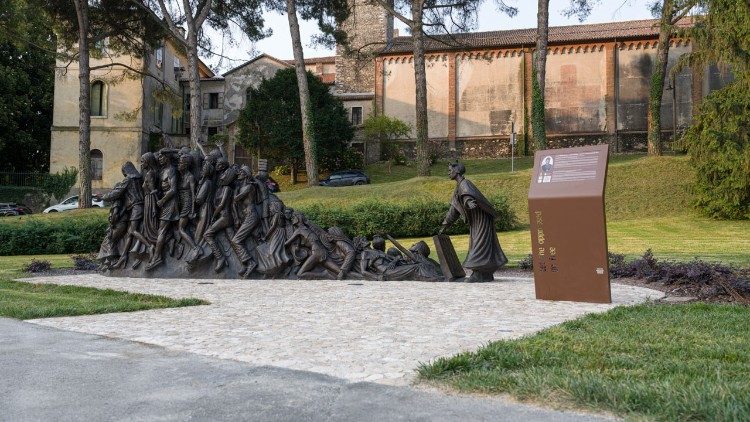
[{"x": 191, "y": 214}]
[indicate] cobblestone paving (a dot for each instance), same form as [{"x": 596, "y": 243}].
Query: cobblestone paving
[{"x": 359, "y": 331}]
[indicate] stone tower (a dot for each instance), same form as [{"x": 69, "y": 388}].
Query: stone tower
[{"x": 369, "y": 29}]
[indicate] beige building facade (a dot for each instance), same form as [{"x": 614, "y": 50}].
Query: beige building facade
[{"x": 127, "y": 110}]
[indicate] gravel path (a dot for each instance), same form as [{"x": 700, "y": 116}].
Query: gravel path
[{"x": 355, "y": 330}]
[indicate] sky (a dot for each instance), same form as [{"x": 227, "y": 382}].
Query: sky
[{"x": 279, "y": 44}]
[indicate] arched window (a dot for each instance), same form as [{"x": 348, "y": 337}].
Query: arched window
[
  {"x": 97, "y": 164},
  {"x": 97, "y": 98}
]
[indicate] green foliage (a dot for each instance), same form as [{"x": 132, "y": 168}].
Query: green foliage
[
  {"x": 413, "y": 218},
  {"x": 719, "y": 147},
  {"x": 537, "y": 113},
  {"x": 15, "y": 193},
  {"x": 271, "y": 122},
  {"x": 71, "y": 234},
  {"x": 59, "y": 184},
  {"x": 387, "y": 130},
  {"x": 26, "y": 86}
]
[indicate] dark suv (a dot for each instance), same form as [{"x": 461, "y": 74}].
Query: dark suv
[
  {"x": 11, "y": 208},
  {"x": 346, "y": 178}
]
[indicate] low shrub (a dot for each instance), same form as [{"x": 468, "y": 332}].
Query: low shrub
[
  {"x": 413, "y": 219},
  {"x": 37, "y": 266},
  {"x": 74, "y": 234},
  {"x": 527, "y": 263},
  {"x": 707, "y": 278},
  {"x": 84, "y": 262}
]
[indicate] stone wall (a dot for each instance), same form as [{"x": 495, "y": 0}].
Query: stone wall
[
  {"x": 400, "y": 98},
  {"x": 369, "y": 28},
  {"x": 489, "y": 93}
]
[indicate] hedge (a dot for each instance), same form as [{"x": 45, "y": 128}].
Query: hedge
[
  {"x": 77, "y": 234},
  {"x": 414, "y": 219},
  {"x": 83, "y": 234}
]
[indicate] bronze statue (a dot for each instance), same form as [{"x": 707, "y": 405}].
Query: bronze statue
[
  {"x": 222, "y": 215},
  {"x": 187, "y": 200},
  {"x": 485, "y": 255},
  {"x": 169, "y": 212}
]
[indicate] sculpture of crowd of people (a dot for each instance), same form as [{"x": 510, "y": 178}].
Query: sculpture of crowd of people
[{"x": 197, "y": 208}]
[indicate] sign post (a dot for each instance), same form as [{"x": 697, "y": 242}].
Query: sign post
[{"x": 568, "y": 227}]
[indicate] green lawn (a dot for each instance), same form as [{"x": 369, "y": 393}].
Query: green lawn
[
  {"x": 662, "y": 362},
  {"x": 637, "y": 186},
  {"x": 29, "y": 300},
  {"x": 674, "y": 238}
]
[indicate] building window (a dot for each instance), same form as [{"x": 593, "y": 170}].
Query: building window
[
  {"x": 97, "y": 164},
  {"x": 356, "y": 116},
  {"x": 158, "y": 113},
  {"x": 213, "y": 100},
  {"x": 248, "y": 95},
  {"x": 212, "y": 130},
  {"x": 159, "y": 57},
  {"x": 97, "y": 98}
]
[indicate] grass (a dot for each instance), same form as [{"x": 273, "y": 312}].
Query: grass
[
  {"x": 637, "y": 186},
  {"x": 29, "y": 300},
  {"x": 662, "y": 362},
  {"x": 673, "y": 238}
]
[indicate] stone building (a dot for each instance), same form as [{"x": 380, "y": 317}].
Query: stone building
[
  {"x": 125, "y": 111},
  {"x": 479, "y": 88},
  {"x": 597, "y": 86}
]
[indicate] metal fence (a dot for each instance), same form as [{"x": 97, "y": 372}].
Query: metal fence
[{"x": 21, "y": 179}]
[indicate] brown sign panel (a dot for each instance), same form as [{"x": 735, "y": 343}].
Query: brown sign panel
[{"x": 568, "y": 227}]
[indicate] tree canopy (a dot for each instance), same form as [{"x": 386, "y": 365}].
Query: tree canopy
[{"x": 271, "y": 122}]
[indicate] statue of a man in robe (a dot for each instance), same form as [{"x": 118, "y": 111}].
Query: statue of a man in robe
[{"x": 485, "y": 255}]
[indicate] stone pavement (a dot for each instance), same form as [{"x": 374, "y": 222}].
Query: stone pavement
[
  {"x": 354, "y": 330},
  {"x": 56, "y": 375}
]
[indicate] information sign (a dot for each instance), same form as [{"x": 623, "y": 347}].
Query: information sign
[{"x": 568, "y": 226}]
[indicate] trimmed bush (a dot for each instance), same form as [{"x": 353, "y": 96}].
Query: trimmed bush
[
  {"x": 77, "y": 234},
  {"x": 413, "y": 219}
]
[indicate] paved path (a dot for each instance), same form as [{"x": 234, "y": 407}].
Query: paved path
[
  {"x": 356, "y": 331},
  {"x": 54, "y": 375}
]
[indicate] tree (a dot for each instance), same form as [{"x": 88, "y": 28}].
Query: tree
[
  {"x": 27, "y": 87},
  {"x": 383, "y": 129},
  {"x": 424, "y": 19},
  {"x": 719, "y": 140},
  {"x": 670, "y": 12},
  {"x": 329, "y": 14},
  {"x": 247, "y": 14},
  {"x": 271, "y": 122},
  {"x": 540, "y": 68},
  {"x": 581, "y": 9}
]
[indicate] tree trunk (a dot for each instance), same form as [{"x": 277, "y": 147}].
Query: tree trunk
[
  {"x": 194, "y": 80},
  {"x": 308, "y": 143},
  {"x": 657, "y": 79},
  {"x": 540, "y": 67},
  {"x": 84, "y": 106},
  {"x": 293, "y": 173},
  {"x": 420, "y": 85}
]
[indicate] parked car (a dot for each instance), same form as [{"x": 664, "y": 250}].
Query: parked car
[
  {"x": 272, "y": 185},
  {"x": 346, "y": 178},
  {"x": 12, "y": 209},
  {"x": 72, "y": 203}
]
